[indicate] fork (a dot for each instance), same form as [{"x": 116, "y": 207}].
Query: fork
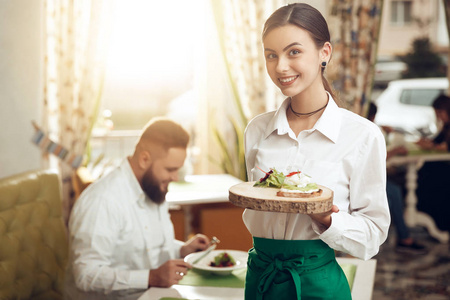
[{"x": 211, "y": 246}]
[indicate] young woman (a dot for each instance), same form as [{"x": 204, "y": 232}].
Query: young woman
[{"x": 293, "y": 254}]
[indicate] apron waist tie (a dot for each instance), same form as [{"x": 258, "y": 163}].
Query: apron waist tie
[
  {"x": 277, "y": 265},
  {"x": 266, "y": 258}
]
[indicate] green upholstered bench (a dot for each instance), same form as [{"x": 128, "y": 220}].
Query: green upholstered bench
[{"x": 33, "y": 239}]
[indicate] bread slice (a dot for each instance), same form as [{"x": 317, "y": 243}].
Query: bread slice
[{"x": 299, "y": 195}]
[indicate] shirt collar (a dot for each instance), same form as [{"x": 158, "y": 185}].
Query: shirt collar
[
  {"x": 135, "y": 188},
  {"x": 328, "y": 124},
  {"x": 279, "y": 120}
]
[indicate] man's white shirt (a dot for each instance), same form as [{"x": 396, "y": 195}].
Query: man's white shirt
[{"x": 117, "y": 235}]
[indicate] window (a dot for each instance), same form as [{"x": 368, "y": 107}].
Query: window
[
  {"x": 421, "y": 97},
  {"x": 401, "y": 12},
  {"x": 151, "y": 70},
  {"x": 152, "y": 59}
]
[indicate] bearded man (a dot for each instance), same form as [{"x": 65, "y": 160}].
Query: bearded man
[{"x": 121, "y": 236}]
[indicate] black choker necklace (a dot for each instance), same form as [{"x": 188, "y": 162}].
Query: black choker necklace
[{"x": 305, "y": 114}]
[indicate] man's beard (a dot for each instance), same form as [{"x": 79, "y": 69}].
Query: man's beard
[{"x": 151, "y": 187}]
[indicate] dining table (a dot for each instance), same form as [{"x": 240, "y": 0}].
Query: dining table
[
  {"x": 197, "y": 190},
  {"x": 413, "y": 161}
]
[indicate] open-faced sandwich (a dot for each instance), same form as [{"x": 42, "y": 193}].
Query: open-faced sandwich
[{"x": 294, "y": 184}]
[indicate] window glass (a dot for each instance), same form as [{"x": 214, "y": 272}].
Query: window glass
[
  {"x": 151, "y": 70},
  {"x": 401, "y": 12},
  {"x": 151, "y": 60},
  {"x": 422, "y": 97}
]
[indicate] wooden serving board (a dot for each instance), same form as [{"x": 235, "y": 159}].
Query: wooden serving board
[{"x": 266, "y": 199}]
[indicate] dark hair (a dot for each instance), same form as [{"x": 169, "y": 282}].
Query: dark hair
[
  {"x": 442, "y": 102},
  {"x": 307, "y": 18},
  {"x": 372, "y": 112},
  {"x": 165, "y": 133}
]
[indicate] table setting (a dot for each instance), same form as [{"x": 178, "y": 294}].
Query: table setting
[{"x": 205, "y": 281}]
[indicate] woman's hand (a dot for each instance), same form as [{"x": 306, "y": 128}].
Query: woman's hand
[
  {"x": 325, "y": 218},
  {"x": 198, "y": 242}
]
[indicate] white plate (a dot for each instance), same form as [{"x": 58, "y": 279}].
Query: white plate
[{"x": 203, "y": 264}]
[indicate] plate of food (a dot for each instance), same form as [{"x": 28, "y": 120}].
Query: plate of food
[
  {"x": 220, "y": 262},
  {"x": 277, "y": 192}
]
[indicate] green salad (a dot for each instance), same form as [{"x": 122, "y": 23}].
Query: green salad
[
  {"x": 223, "y": 260},
  {"x": 273, "y": 178}
]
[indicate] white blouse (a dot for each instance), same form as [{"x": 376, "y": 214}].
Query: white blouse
[{"x": 344, "y": 152}]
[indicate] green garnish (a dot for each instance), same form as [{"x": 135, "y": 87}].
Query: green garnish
[
  {"x": 308, "y": 187},
  {"x": 273, "y": 178}
]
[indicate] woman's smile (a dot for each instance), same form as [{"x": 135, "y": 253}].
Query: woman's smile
[{"x": 287, "y": 80}]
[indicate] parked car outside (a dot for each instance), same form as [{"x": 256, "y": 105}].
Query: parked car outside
[
  {"x": 387, "y": 69},
  {"x": 405, "y": 105}
]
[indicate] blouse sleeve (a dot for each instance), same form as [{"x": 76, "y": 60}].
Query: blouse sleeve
[{"x": 362, "y": 229}]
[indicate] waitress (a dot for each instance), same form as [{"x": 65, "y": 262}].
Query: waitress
[{"x": 293, "y": 255}]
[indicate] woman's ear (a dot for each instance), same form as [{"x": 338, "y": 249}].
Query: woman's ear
[{"x": 325, "y": 52}]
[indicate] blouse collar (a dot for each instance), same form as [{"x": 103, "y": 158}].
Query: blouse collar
[{"x": 328, "y": 124}]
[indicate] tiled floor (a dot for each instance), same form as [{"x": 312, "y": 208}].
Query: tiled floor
[{"x": 402, "y": 276}]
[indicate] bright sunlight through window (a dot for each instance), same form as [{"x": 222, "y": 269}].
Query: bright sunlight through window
[{"x": 153, "y": 58}]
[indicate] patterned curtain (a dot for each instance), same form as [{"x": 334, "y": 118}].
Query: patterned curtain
[
  {"x": 447, "y": 20},
  {"x": 239, "y": 24},
  {"x": 354, "y": 27},
  {"x": 76, "y": 34}
]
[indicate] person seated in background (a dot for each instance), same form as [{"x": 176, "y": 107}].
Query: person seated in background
[
  {"x": 394, "y": 191},
  {"x": 441, "y": 142},
  {"x": 432, "y": 183},
  {"x": 121, "y": 235}
]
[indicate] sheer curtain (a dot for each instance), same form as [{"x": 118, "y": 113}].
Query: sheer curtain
[
  {"x": 239, "y": 26},
  {"x": 354, "y": 27},
  {"x": 76, "y": 35}
]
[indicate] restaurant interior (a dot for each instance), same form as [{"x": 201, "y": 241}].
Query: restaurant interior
[{"x": 79, "y": 80}]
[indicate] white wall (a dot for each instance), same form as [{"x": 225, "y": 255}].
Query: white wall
[{"x": 21, "y": 50}]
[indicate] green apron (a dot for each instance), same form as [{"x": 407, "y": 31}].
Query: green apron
[{"x": 286, "y": 269}]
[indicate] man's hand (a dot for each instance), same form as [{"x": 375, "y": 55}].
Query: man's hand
[
  {"x": 169, "y": 273},
  {"x": 425, "y": 143},
  {"x": 400, "y": 150},
  {"x": 325, "y": 218},
  {"x": 198, "y": 242}
]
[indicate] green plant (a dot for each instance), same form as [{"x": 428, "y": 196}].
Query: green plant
[
  {"x": 422, "y": 61},
  {"x": 232, "y": 154}
]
